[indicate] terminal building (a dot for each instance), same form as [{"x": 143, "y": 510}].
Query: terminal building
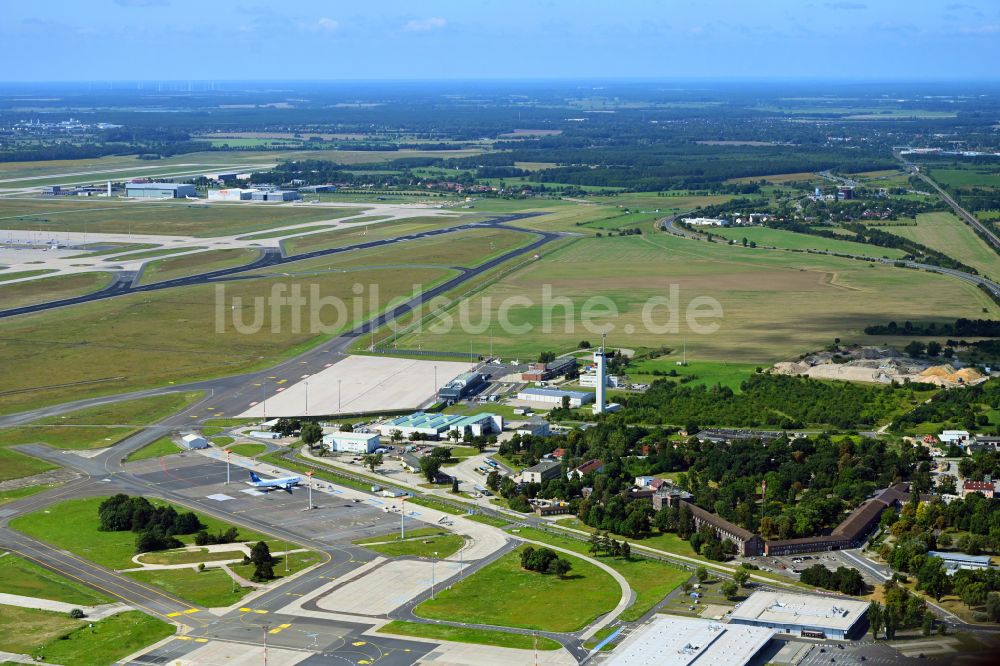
[
  {"x": 806, "y": 615},
  {"x": 159, "y": 190},
  {"x": 681, "y": 641},
  {"x": 351, "y": 442},
  {"x": 555, "y": 396},
  {"x": 461, "y": 387},
  {"x": 436, "y": 425}
]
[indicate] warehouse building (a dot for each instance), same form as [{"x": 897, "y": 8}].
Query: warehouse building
[
  {"x": 275, "y": 195},
  {"x": 806, "y": 615},
  {"x": 461, "y": 387},
  {"x": 159, "y": 190},
  {"x": 680, "y": 641},
  {"x": 954, "y": 562},
  {"x": 555, "y": 396},
  {"x": 230, "y": 194},
  {"x": 351, "y": 442},
  {"x": 436, "y": 425}
]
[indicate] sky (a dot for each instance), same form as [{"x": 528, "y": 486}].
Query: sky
[{"x": 101, "y": 40}]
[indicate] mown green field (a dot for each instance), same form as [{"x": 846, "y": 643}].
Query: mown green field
[
  {"x": 211, "y": 588},
  {"x": 15, "y": 465},
  {"x": 775, "y": 304},
  {"x": 150, "y": 339},
  {"x": 20, "y": 576},
  {"x": 426, "y": 542},
  {"x": 984, "y": 177},
  {"x": 248, "y": 449},
  {"x": 55, "y": 288},
  {"x": 946, "y": 233},
  {"x": 791, "y": 240},
  {"x": 505, "y": 595},
  {"x": 171, "y": 217},
  {"x": 708, "y": 373},
  {"x": 195, "y": 264},
  {"x": 20, "y": 275},
  {"x": 164, "y": 446},
  {"x": 365, "y": 233},
  {"x": 20, "y": 493}
]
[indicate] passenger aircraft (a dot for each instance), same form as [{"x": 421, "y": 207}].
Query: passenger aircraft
[{"x": 285, "y": 483}]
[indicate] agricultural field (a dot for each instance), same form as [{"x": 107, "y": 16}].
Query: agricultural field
[
  {"x": 52, "y": 289},
  {"x": 168, "y": 335},
  {"x": 175, "y": 218},
  {"x": 967, "y": 177},
  {"x": 946, "y": 233},
  {"x": 708, "y": 373},
  {"x": 503, "y": 594},
  {"x": 197, "y": 263},
  {"x": 775, "y": 304},
  {"x": 791, "y": 240}
]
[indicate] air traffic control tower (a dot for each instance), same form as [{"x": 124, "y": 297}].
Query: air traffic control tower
[{"x": 600, "y": 360}]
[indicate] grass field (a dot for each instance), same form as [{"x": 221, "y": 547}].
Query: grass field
[
  {"x": 296, "y": 562},
  {"x": 24, "y": 630},
  {"x": 967, "y": 177},
  {"x": 363, "y": 234},
  {"x": 505, "y": 595},
  {"x": 20, "y": 493},
  {"x": 20, "y": 576},
  {"x": 427, "y": 542},
  {"x": 171, "y": 335},
  {"x": 708, "y": 373},
  {"x": 946, "y": 233},
  {"x": 171, "y": 217},
  {"x": 278, "y": 233},
  {"x": 774, "y": 304},
  {"x": 249, "y": 449},
  {"x": 211, "y": 588},
  {"x": 194, "y": 264},
  {"x": 15, "y": 465},
  {"x": 469, "y": 635},
  {"x": 86, "y": 643},
  {"x": 791, "y": 240},
  {"x": 164, "y": 446},
  {"x": 650, "y": 579},
  {"x": 431, "y": 503},
  {"x": 72, "y": 525},
  {"x": 150, "y": 254},
  {"x": 190, "y": 556},
  {"x": 52, "y": 289},
  {"x": 97, "y": 427}
]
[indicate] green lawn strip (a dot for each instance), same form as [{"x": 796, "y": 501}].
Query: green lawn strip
[
  {"x": 190, "y": 556},
  {"x": 228, "y": 423},
  {"x": 195, "y": 264},
  {"x": 651, "y": 580},
  {"x": 797, "y": 241},
  {"x": 72, "y": 525},
  {"x": 601, "y": 634},
  {"x": 223, "y": 441},
  {"x": 490, "y": 520},
  {"x": 106, "y": 641},
  {"x": 431, "y": 503},
  {"x": 20, "y": 493},
  {"x": 15, "y": 465},
  {"x": 278, "y": 233},
  {"x": 141, "y": 411},
  {"x": 469, "y": 635},
  {"x": 117, "y": 247},
  {"x": 211, "y": 588},
  {"x": 6, "y": 277},
  {"x": 26, "y": 630},
  {"x": 154, "y": 253},
  {"x": 248, "y": 450},
  {"x": 505, "y": 595},
  {"x": 53, "y": 288},
  {"x": 164, "y": 446},
  {"x": 296, "y": 562},
  {"x": 21, "y": 576},
  {"x": 60, "y": 437},
  {"x": 422, "y": 542}
]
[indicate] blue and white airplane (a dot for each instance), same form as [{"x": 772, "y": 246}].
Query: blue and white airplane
[{"x": 285, "y": 483}]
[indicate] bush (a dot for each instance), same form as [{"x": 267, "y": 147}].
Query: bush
[{"x": 77, "y": 614}]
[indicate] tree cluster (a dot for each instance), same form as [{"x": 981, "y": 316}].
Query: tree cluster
[
  {"x": 546, "y": 561},
  {"x": 844, "y": 579},
  {"x": 155, "y": 526}
]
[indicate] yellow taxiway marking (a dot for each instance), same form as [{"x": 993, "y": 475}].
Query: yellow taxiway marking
[
  {"x": 190, "y": 610},
  {"x": 173, "y": 614},
  {"x": 279, "y": 628},
  {"x": 201, "y": 640},
  {"x": 294, "y": 594},
  {"x": 364, "y": 661},
  {"x": 183, "y": 638},
  {"x": 358, "y": 643}
]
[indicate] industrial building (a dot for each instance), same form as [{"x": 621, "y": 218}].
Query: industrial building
[
  {"x": 539, "y": 372},
  {"x": 706, "y": 222},
  {"x": 807, "y": 615},
  {"x": 275, "y": 195},
  {"x": 193, "y": 441},
  {"x": 954, "y": 562},
  {"x": 351, "y": 442},
  {"x": 230, "y": 194},
  {"x": 547, "y": 469},
  {"x": 680, "y": 641},
  {"x": 555, "y": 396},
  {"x": 159, "y": 190},
  {"x": 435, "y": 425},
  {"x": 461, "y": 387},
  {"x": 536, "y": 426}
]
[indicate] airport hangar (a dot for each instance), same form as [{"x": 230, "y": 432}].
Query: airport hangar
[
  {"x": 679, "y": 641},
  {"x": 807, "y": 615},
  {"x": 555, "y": 396},
  {"x": 351, "y": 442},
  {"x": 159, "y": 190},
  {"x": 435, "y": 425}
]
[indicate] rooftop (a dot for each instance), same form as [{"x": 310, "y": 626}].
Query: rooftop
[
  {"x": 962, "y": 558},
  {"x": 356, "y": 436},
  {"x": 156, "y": 186},
  {"x": 801, "y": 609},
  {"x": 543, "y": 466},
  {"x": 676, "y": 641},
  {"x": 557, "y": 393},
  {"x": 438, "y": 421}
]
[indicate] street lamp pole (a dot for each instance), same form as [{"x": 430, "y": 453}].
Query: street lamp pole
[
  {"x": 266, "y": 628},
  {"x": 338, "y": 396},
  {"x": 433, "y": 562},
  {"x": 402, "y": 518},
  {"x": 228, "y": 452},
  {"x": 310, "y": 475}
]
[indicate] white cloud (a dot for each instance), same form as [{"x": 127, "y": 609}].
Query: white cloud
[
  {"x": 327, "y": 24},
  {"x": 424, "y": 25},
  {"x": 143, "y": 3}
]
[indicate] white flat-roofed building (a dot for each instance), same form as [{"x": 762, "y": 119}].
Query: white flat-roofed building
[
  {"x": 193, "y": 441},
  {"x": 230, "y": 194},
  {"x": 351, "y": 442},
  {"x": 555, "y": 396},
  {"x": 806, "y": 615},
  {"x": 159, "y": 190},
  {"x": 706, "y": 222},
  {"x": 954, "y": 562},
  {"x": 680, "y": 641}
]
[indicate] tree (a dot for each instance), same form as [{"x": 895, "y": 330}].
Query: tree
[
  {"x": 311, "y": 433},
  {"x": 346, "y": 427},
  {"x": 371, "y": 461},
  {"x": 927, "y": 625},
  {"x": 286, "y": 427},
  {"x": 729, "y": 589},
  {"x": 686, "y": 586},
  {"x": 741, "y": 577},
  {"x": 701, "y": 573},
  {"x": 560, "y": 567},
  {"x": 454, "y": 484},
  {"x": 993, "y": 606},
  {"x": 429, "y": 467},
  {"x": 594, "y": 544},
  {"x": 546, "y": 357},
  {"x": 875, "y": 618},
  {"x": 396, "y": 436},
  {"x": 77, "y": 614},
  {"x": 626, "y": 551},
  {"x": 260, "y": 557}
]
